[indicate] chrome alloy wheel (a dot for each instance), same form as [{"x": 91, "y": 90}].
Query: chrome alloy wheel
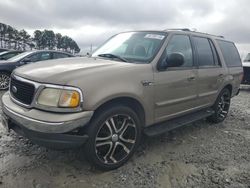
[
  {"x": 115, "y": 139},
  {"x": 4, "y": 81},
  {"x": 223, "y": 105}
]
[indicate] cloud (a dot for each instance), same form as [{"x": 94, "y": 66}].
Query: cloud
[{"x": 92, "y": 22}]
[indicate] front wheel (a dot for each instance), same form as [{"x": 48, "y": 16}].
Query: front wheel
[
  {"x": 114, "y": 134},
  {"x": 221, "y": 106},
  {"x": 4, "y": 80}
]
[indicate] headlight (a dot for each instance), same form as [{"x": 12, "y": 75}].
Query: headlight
[{"x": 54, "y": 97}]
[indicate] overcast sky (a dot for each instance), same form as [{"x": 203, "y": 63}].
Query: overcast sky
[{"x": 91, "y": 22}]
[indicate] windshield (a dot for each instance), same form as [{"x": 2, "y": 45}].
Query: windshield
[
  {"x": 20, "y": 56},
  {"x": 137, "y": 47},
  {"x": 2, "y": 53},
  {"x": 8, "y": 55},
  {"x": 247, "y": 59}
]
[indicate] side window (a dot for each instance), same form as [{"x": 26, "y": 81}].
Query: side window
[
  {"x": 35, "y": 57},
  {"x": 215, "y": 54},
  {"x": 204, "y": 51},
  {"x": 59, "y": 55},
  {"x": 45, "y": 56},
  {"x": 230, "y": 53},
  {"x": 180, "y": 44}
]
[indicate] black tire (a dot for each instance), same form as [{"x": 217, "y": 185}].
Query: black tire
[
  {"x": 4, "y": 80},
  {"x": 114, "y": 134},
  {"x": 221, "y": 107}
]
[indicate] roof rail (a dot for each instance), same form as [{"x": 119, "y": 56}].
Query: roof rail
[
  {"x": 220, "y": 36},
  {"x": 178, "y": 29},
  {"x": 194, "y": 30}
]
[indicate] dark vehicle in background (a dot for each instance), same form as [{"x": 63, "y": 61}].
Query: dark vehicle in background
[
  {"x": 3, "y": 49},
  {"x": 246, "y": 69},
  {"x": 6, "y": 67},
  {"x": 9, "y": 54}
]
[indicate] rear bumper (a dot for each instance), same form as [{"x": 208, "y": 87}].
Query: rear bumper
[{"x": 49, "y": 129}]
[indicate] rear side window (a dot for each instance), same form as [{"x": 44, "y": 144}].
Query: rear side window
[
  {"x": 204, "y": 51},
  {"x": 45, "y": 56},
  {"x": 60, "y": 55},
  {"x": 230, "y": 53}
]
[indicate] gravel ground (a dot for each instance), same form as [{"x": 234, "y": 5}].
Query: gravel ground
[{"x": 198, "y": 155}]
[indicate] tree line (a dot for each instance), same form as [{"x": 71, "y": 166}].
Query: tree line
[{"x": 20, "y": 40}]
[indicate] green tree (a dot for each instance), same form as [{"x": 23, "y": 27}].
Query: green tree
[
  {"x": 38, "y": 38},
  {"x": 3, "y": 32},
  {"x": 48, "y": 39},
  {"x": 24, "y": 38},
  {"x": 16, "y": 39},
  {"x": 58, "y": 41}
]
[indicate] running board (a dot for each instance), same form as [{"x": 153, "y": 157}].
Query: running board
[{"x": 177, "y": 122}]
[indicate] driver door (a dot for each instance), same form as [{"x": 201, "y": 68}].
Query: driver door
[{"x": 176, "y": 87}]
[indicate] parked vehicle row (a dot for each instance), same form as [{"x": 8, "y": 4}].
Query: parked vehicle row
[
  {"x": 137, "y": 82},
  {"x": 20, "y": 59}
]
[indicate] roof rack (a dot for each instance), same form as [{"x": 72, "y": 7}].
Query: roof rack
[
  {"x": 178, "y": 29},
  {"x": 189, "y": 30}
]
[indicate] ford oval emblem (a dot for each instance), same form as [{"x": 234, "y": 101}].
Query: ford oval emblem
[{"x": 14, "y": 89}]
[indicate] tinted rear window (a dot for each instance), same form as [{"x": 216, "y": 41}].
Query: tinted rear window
[
  {"x": 60, "y": 55},
  {"x": 204, "y": 52},
  {"x": 230, "y": 53}
]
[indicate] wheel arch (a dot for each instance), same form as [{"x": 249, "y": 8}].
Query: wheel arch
[
  {"x": 6, "y": 71},
  {"x": 130, "y": 102},
  {"x": 229, "y": 87}
]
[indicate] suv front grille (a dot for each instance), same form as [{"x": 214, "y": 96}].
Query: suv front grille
[{"x": 22, "y": 91}]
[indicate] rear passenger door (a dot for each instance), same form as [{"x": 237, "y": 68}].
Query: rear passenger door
[{"x": 210, "y": 71}]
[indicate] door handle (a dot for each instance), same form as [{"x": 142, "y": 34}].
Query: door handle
[{"x": 191, "y": 78}]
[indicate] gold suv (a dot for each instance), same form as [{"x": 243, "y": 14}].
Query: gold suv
[{"x": 137, "y": 82}]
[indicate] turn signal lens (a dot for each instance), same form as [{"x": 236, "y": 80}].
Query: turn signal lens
[{"x": 69, "y": 98}]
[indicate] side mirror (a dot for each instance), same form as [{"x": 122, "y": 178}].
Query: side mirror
[
  {"x": 175, "y": 60},
  {"x": 172, "y": 60}
]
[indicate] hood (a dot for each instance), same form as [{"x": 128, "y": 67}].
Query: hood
[{"x": 61, "y": 71}]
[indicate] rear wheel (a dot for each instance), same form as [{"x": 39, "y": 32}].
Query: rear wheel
[
  {"x": 114, "y": 134},
  {"x": 4, "y": 80},
  {"x": 221, "y": 106}
]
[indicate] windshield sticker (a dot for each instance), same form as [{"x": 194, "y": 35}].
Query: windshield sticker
[{"x": 154, "y": 36}]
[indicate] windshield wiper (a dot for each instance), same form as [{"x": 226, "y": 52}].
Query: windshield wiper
[{"x": 112, "y": 56}]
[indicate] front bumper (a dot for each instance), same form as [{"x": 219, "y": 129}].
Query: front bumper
[{"x": 49, "y": 129}]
